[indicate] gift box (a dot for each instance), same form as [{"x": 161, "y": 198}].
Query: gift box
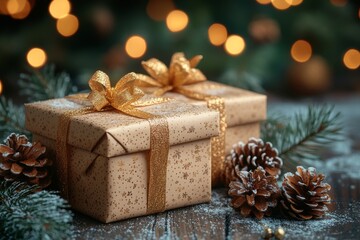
[
  {"x": 107, "y": 169},
  {"x": 240, "y": 111}
]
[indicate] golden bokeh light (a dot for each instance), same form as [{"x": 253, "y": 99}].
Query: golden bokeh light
[
  {"x": 264, "y": 2},
  {"x": 135, "y": 46},
  {"x": 281, "y": 4},
  {"x": 351, "y": 59},
  {"x": 59, "y": 8},
  {"x": 177, "y": 21},
  {"x": 296, "y": 2},
  {"x": 339, "y": 3},
  {"x": 23, "y": 13},
  {"x": 301, "y": 51},
  {"x": 217, "y": 34},
  {"x": 15, "y": 6},
  {"x": 1, "y": 87},
  {"x": 68, "y": 25},
  {"x": 159, "y": 9},
  {"x": 3, "y": 7},
  {"x": 36, "y": 57},
  {"x": 234, "y": 45}
]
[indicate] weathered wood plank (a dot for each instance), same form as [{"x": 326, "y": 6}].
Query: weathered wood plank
[
  {"x": 204, "y": 221},
  {"x": 136, "y": 228}
]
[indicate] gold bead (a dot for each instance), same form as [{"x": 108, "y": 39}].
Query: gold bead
[
  {"x": 267, "y": 233},
  {"x": 279, "y": 233}
]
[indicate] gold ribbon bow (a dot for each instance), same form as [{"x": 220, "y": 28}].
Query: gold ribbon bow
[
  {"x": 181, "y": 73},
  {"x": 125, "y": 97}
]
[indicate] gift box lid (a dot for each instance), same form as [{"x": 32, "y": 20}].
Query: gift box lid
[
  {"x": 111, "y": 133},
  {"x": 241, "y": 106}
]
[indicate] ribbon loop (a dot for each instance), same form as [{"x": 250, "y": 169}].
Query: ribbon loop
[{"x": 157, "y": 70}]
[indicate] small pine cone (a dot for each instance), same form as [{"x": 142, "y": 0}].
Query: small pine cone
[
  {"x": 251, "y": 155},
  {"x": 21, "y": 160},
  {"x": 254, "y": 193},
  {"x": 304, "y": 195}
]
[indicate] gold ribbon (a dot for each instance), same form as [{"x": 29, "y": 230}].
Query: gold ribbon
[
  {"x": 181, "y": 73},
  {"x": 124, "y": 97}
]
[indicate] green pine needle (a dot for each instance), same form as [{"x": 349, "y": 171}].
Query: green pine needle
[
  {"x": 45, "y": 84},
  {"x": 301, "y": 138},
  {"x": 26, "y": 214},
  {"x": 12, "y": 118}
]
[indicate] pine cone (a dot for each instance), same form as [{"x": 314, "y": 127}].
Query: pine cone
[
  {"x": 304, "y": 195},
  {"x": 20, "y": 160},
  {"x": 254, "y": 193},
  {"x": 250, "y": 156}
]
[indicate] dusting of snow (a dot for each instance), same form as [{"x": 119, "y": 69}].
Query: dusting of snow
[{"x": 298, "y": 229}]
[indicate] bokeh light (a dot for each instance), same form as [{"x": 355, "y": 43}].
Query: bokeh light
[
  {"x": 234, "y": 45},
  {"x": 135, "y": 46},
  {"x": 159, "y": 9},
  {"x": 301, "y": 51},
  {"x": 281, "y": 4},
  {"x": 68, "y": 25},
  {"x": 36, "y": 57},
  {"x": 24, "y": 12},
  {"x": 1, "y": 87},
  {"x": 351, "y": 59},
  {"x": 59, "y": 8},
  {"x": 15, "y": 6},
  {"x": 217, "y": 34},
  {"x": 264, "y": 30},
  {"x": 177, "y": 21},
  {"x": 296, "y": 2},
  {"x": 339, "y": 3},
  {"x": 264, "y": 2},
  {"x": 3, "y": 7}
]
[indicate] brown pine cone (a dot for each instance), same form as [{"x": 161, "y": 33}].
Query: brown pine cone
[
  {"x": 20, "y": 160},
  {"x": 304, "y": 195},
  {"x": 254, "y": 193},
  {"x": 251, "y": 155}
]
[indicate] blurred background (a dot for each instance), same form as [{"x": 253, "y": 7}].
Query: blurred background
[{"x": 288, "y": 47}]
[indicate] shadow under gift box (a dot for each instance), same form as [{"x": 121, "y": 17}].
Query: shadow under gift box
[
  {"x": 108, "y": 155},
  {"x": 244, "y": 110}
]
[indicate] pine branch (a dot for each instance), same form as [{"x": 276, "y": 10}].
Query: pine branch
[
  {"x": 12, "y": 118},
  {"x": 301, "y": 138},
  {"x": 45, "y": 84},
  {"x": 26, "y": 214}
]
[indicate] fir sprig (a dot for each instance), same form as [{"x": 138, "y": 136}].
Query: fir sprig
[
  {"x": 45, "y": 84},
  {"x": 300, "y": 139},
  {"x": 12, "y": 118},
  {"x": 27, "y": 214}
]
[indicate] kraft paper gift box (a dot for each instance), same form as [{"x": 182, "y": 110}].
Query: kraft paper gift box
[{"x": 106, "y": 173}]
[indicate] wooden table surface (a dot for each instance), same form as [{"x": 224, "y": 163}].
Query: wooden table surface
[{"x": 217, "y": 220}]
